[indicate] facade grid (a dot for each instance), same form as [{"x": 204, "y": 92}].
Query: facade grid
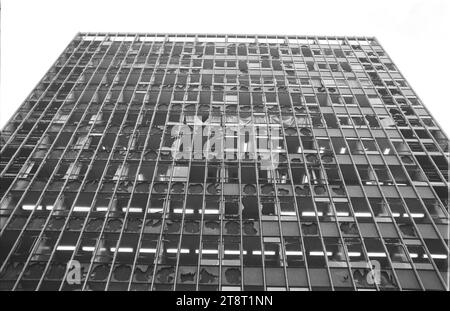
[{"x": 332, "y": 175}]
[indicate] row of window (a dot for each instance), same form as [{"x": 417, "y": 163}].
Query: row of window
[{"x": 124, "y": 277}]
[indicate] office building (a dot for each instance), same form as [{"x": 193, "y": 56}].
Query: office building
[{"x": 223, "y": 162}]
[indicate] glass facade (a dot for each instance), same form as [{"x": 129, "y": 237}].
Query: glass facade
[{"x": 223, "y": 162}]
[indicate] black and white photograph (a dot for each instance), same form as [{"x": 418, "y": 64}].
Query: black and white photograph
[{"x": 224, "y": 151}]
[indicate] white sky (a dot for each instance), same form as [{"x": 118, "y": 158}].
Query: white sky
[{"x": 415, "y": 33}]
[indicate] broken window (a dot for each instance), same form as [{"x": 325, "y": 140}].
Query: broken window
[
  {"x": 339, "y": 145},
  {"x": 273, "y": 257}
]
